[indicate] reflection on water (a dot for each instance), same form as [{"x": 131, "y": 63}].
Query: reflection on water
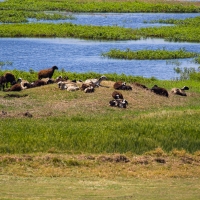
[{"x": 84, "y": 56}]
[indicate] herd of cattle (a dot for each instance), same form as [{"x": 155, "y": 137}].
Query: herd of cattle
[{"x": 88, "y": 86}]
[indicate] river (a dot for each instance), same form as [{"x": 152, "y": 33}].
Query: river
[{"x": 81, "y": 56}]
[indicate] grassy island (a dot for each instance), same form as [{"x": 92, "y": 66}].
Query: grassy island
[{"x": 158, "y": 54}]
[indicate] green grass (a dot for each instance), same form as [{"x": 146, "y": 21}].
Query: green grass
[
  {"x": 99, "y": 6},
  {"x": 66, "y": 30},
  {"x": 158, "y": 54},
  {"x": 19, "y": 11},
  {"x": 188, "y": 21},
  {"x": 97, "y": 188},
  {"x": 175, "y": 33},
  {"x": 117, "y": 134},
  {"x": 14, "y": 16},
  {"x": 31, "y": 75}
]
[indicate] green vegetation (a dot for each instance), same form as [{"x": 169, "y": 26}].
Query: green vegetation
[
  {"x": 188, "y": 21},
  {"x": 197, "y": 59},
  {"x": 20, "y": 11},
  {"x": 149, "y": 54},
  {"x": 185, "y": 32},
  {"x": 188, "y": 73},
  {"x": 79, "y": 133},
  {"x": 3, "y": 63},
  {"x": 177, "y": 33},
  {"x": 98, "y": 6},
  {"x": 14, "y": 16},
  {"x": 66, "y": 30},
  {"x": 32, "y": 75}
]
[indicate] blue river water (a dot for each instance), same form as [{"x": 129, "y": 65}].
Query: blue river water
[
  {"x": 126, "y": 20},
  {"x": 81, "y": 56}
]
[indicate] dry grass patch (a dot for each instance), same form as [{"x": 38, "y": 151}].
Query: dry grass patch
[
  {"x": 51, "y": 101},
  {"x": 102, "y": 165}
]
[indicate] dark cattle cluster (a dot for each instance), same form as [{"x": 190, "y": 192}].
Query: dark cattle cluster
[
  {"x": 118, "y": 100},
  {"x": 160, "y": 91},
  {"x": 7, "y": 78},
  {"x": 117, "y": 95},
  {"x": 88, "y": 88},
  {"x": 164, "y": 92},
  {"x": 21, "y": 84},
  {"x": 47, "y": 73},
  {"x": 119, "y": 85},
  {"x": 121, "y": 103},
  {"x": 36, "y": 83}
]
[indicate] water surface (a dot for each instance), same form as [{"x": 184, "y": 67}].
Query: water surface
[
  {"x": 79, "y": 56},
  {"x": 126, "y": 20}
]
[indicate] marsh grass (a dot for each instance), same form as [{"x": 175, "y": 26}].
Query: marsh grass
[
  {"x": 158, "y": 54},
  {"x": 101, "y": 6},
  {"x": 66, "y": 30},
  {"x": 18, "y": 16},
  {"x": 184, "y": 30},
  {"x": 175, "y": 33}
]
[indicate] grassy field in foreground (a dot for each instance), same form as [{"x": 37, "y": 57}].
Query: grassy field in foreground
[
  {"x": 84, "y": 122},
  {"x": 97, "y": 188}
]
